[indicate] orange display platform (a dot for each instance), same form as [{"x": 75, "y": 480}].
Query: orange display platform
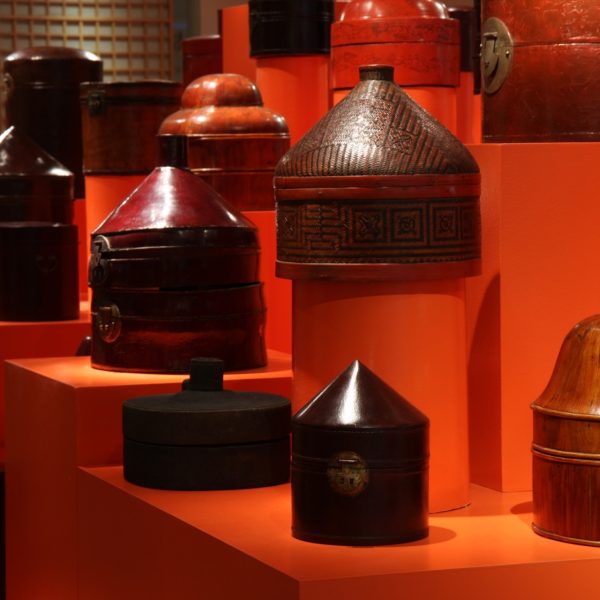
[
  {"x": 61, "y": 414},
  {"x": 30, "y": 339},
  {"x": 540, "y": 213},
  {"x": 151, "y": 544}
]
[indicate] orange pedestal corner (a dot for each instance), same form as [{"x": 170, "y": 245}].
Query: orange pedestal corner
[
  {"x": 141, "y": 543},
  {"x": 539, "y": 229},
  {"x": 236, "y": 42},
  {"x": 61, "y": 414},
  {"x": 33, "y": 339}
]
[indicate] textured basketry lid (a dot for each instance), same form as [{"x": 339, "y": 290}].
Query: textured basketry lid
[
  {"x": 53, "y": 64},
  {"x": 26, "y": 168},
  {"x": 376, "y": 130},
  {"x": 574, "y": 386},
  {"x": 205, "y": 414}
]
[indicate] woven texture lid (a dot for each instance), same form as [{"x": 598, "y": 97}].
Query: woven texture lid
[{"x": 377, "y": 130}]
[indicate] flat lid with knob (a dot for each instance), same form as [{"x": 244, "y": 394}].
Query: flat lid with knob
[{"x": 203, "y": 413}]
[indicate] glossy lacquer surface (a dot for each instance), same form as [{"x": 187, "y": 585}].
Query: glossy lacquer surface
[
  {"x": 359, "y": 464},
  {"x": 33, "y": 185}
]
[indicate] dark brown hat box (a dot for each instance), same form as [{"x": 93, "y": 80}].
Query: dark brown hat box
[
  {"x": 566, "y": 442},
  {"x": 234, "y": 142},
  {"x": 360, "y": 457},
  {"x": 43, "y": 100},
  {"x": 539, "y": 64},
  {"x": 38, "y": 243},
  {"x": 120, "y": 121},
  {"x": 206, "y": 438},
  {"x": 377, "y": 190},
  {"x": 174, "y": 275}
]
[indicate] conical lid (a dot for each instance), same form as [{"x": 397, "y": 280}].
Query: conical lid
[
  {"x": 574, "y": 387},
  {"x": 359, "y": 398},
  {"x": 377, "y": 130},
  {"x": 359, "y": 412},
  {"x": 384, "y": 9},
  {"x": 171, "y": 198},
  {"x": 21, "y": 158}
]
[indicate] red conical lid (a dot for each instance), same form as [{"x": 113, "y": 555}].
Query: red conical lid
[
  {"x": 22, "y": 157},
  {"x": 172, "y": 198}
]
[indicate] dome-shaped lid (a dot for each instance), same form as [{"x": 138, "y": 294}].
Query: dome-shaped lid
[
  {"x": 203, "y": 413},
  {"x": 221, "y": 89},
  {"x": 53, "y": 63},
  {"x": 377, "y": 130},
  {"x": 381, "y": 9},
  {"x": 172, "y": 198},
  {"x": 357, "y": 398},
  {"x": 574, "y": 387},
  {"x": 22, "y": 157},
  {"x": 223, "y": 103}
]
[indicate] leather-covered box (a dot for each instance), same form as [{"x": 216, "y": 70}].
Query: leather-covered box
[
  {"x": 206, "y": 438},
  {"x": 540, "y": 78},
  {"x": 43, "y": 100},
  {"x": 359, "y": 464},
  {"x": 120, "y": 121},
  {"x": 234, "y": 142},
  {"x": 174, "y": 275}
]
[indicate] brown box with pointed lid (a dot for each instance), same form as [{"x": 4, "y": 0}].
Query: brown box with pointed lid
[{"x": 359, "y": 464}]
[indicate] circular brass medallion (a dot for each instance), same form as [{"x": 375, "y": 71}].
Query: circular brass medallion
[{"x": 348, "y": 473}]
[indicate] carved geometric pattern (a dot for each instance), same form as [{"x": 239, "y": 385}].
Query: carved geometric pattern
[{"x": 372, "y": 231}]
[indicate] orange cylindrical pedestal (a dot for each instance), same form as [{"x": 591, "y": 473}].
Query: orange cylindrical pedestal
[
  {"x": 468, "y": 117},
  {"x": 105, "y": 193},
  {"x": 412, "y": 335},
  {"x": 296, "y": 87}
]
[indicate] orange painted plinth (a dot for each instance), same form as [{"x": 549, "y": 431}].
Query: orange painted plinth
[
  {"x": 412, "y": 335},
  {"x": 440, "y": 102},
  {"x": 152, "y": 544},
  {"x": 540, "y": 215},
  {"x": 468, "y": 111},
  {"x": 60, "y": 414},
  {"x": 236, "y": 41},
  {"x": 296, "y": 87},
  {"x": 278, "y": 292},
  {"x": 39, "y": 339}
]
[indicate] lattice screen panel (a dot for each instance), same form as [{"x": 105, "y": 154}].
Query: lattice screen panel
[{"x": 133, "y": 38}]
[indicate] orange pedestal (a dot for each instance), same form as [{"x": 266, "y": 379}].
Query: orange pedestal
[
  {"x": 540, "y": 213},
  {"x": 39, "y": 339},
  {"x": 151, "y": 544},
  {"x": 236, "y": 42},
  {"x": 61, "y": 413},
  {"x": 412, "y": 335},
  {"x": 468, "y": 112},
  {"x": 296, "y": 87},
  {"x": 440, "y": 102},
  {"x": 278, "y": 292}
]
